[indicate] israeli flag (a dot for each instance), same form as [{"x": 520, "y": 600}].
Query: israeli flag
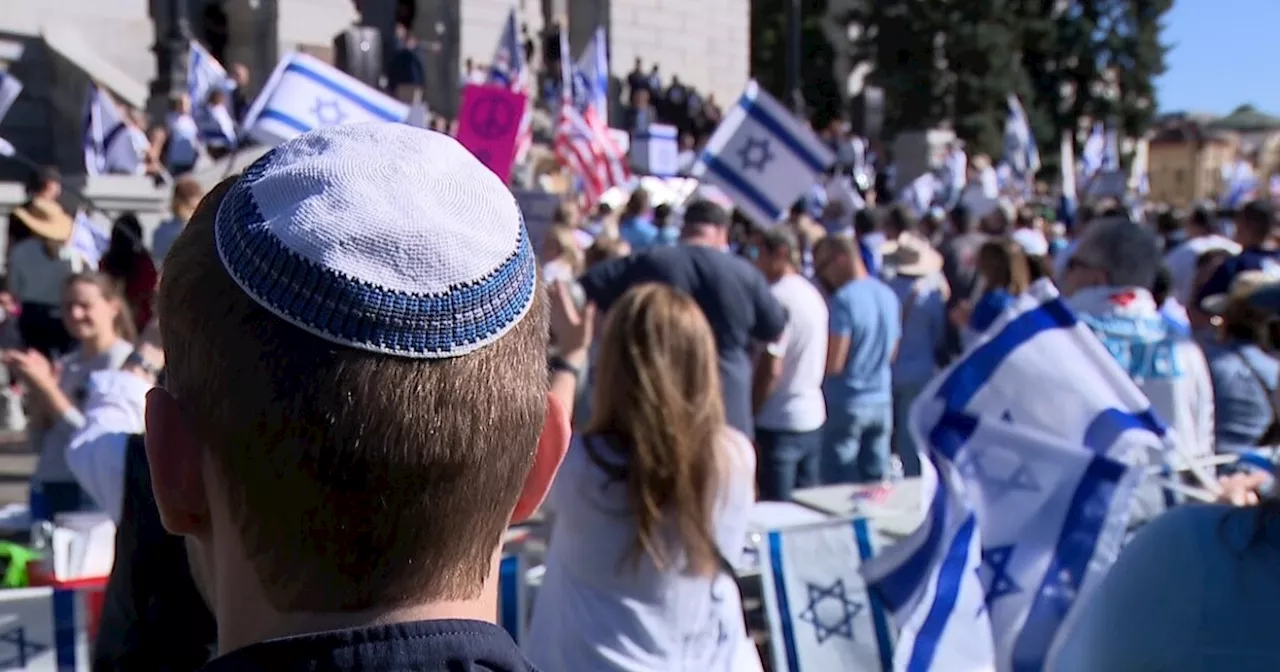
[
  {"x": 1111, "y": 151},
  {"x": 931, "y": 585},
  {"x": 1051, "y": 517},
  {"x": 820, "y": 615},
  {"x": 762, "y": 157},
  {"x": 1240, "y": 184},
  {"x": 305, "y": 93},
  {"x": 10, "y": 89},
  {"x": 591, "y": 77},
  {"x": 204, "y": 74},
  {"x": 108, "y": 143},
  {"x": 1020, "y": 151},
  {"x": 1093, "y": 158}
]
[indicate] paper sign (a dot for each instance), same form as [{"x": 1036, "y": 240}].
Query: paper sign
[
  {"x": 489, "y": 124},
  {"x": 656, "y": 151}
]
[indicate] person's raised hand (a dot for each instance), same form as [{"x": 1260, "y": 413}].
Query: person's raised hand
[{"x": 571, "y": 329}]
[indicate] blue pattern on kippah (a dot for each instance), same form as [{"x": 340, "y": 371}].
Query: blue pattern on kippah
[{"x": 340, "y": 308}]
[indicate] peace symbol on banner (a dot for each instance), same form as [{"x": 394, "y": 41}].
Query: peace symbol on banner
[{"x": 492, "y": 115}]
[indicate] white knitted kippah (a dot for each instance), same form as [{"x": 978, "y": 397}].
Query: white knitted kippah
[{"x": 382, "y": 237}]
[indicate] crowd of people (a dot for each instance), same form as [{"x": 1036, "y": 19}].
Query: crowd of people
[{"x": 314, "y": 431}]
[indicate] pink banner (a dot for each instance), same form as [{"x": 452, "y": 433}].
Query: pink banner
[{"x": 489, "y": 125}]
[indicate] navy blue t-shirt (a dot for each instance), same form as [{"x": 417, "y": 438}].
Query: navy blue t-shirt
[
  {"x": 734, "y": 297},
  {"x": 1249, "y": 259}
]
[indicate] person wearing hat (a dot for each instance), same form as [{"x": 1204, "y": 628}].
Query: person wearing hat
[
  {"x": 356, "y": 403},
  {"x": 915, "y": 276},
  {"x": 1242, "y": 365},
  {"x": 39, "y": 268}
]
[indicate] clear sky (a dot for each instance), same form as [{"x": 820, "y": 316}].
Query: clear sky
[{"x": 1225, "y": 53}]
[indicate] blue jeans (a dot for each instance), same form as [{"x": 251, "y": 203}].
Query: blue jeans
[
  {"x": 855, "y": 444},
  {"x": 903, "y": 443},
  {"x": 786, "y": 461}
]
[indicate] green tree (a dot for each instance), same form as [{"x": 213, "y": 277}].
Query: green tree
[
  {"x": 822, "y": 94},
  {"x": 983, "y": 71},
  {"x": 903, "y": 39}
]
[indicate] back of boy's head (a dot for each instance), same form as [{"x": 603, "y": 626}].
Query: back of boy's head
[{"x": 356, "y": 338}]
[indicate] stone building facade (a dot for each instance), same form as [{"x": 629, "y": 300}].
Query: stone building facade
[{"x": 57, "y": 47}]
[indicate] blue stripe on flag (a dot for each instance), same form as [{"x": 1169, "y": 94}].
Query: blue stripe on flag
[
  {"x": 784, "y": 604},
  {"x": 721, "y": 170},
  {"x": 355, "y": 97},
  {"x": 950, "y": 578},
  {"x": 897, "y": 587},
  {"x": 509, "y": 595},
  {"x": 1111, "y": 423},
  {"x": 782, "y": 133},
  {"x": 286, "y": 119},
  {"x": 1077, "y": 544},
  {"x": 863, "y": 537},
  {"x": 973, "y": 372}
]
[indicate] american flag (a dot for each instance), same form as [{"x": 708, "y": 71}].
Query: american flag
[
  {"x": 583, "y": 144},
  {"x": 508, "y": 69}
]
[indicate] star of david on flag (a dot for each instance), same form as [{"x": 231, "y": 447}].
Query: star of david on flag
[
  {"x": 820, "y": 614},
  {"x": 1048, "y": 480},
  {"x": 762, "y": 157},
  {"x": 305, "y": 93}
]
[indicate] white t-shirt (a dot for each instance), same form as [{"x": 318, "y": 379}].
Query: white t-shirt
[
  {"x": 796, "y": 404},
  {"x": 1181, "y": 261},
  {"x": 598, "y": 611}
]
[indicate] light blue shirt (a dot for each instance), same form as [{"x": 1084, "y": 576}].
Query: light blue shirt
[
  {"x": 1242, "y": 404},
  {"x": 163, "y": 238},
  {"x": 869, "y": 314},
  {"x": 926, "y": 326},
  {"x": 638, "y": 232},
  {"x": 1195, "y": 591}
]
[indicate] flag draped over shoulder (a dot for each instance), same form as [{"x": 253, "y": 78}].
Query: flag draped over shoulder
[
  {"x": 1038, "y": 439},
  {"x": 305, "y": 93},
  {"x": 762, "y": 157}
]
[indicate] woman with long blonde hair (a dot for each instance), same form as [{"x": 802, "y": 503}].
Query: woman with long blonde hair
[{"x": 650, "y": 507}]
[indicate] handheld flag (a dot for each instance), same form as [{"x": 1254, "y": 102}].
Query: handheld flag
[
  {"x": 305, "y": 93},
  {"x": 204, "y": 74},
  {"x": 762, "y": 157}
]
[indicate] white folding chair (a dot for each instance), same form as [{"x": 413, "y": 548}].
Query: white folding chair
[{"x": 821, "y": 616}]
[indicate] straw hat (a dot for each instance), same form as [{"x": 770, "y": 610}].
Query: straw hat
[
  {"x": 1243, "y": 288},
  {"x": 912, "y": 255},
  {"x": 46, "y": 219}
]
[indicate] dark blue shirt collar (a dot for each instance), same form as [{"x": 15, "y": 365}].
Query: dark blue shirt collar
[{"x": 421, "y": 646}]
